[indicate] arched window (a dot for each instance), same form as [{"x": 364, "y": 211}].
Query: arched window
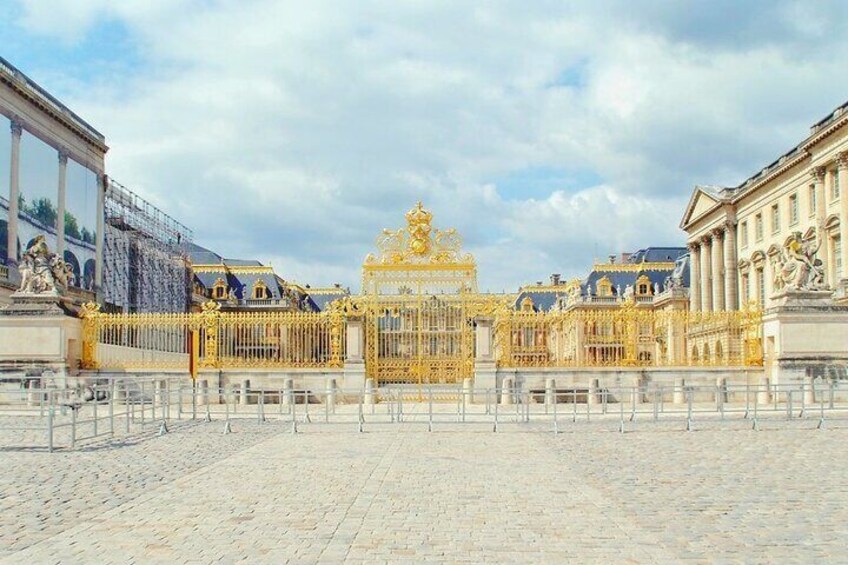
[
  {"x": 73, "y": 263},
  {"x": 88, "y": 275},
  {"x": 706, "y": 355},
  {"x": 719, "y": 353},
  {"x": 694, "y": 354}
]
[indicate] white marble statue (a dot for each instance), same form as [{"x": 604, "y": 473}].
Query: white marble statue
[
  {"x": 797, "y": 268},
  {"x": 42, "y": 272}
]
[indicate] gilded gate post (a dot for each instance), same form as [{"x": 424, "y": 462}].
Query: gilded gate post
[
  {"x": 339, "y": 311},
  {"x": 90, "y": 314},
  {"x": 209, "y": 322},
  {"x": 628, "y": 320}
]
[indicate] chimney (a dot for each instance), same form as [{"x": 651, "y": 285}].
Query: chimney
[
  {"x": 555, "y": 279},
  {"x": 612, "y": 259},
  {"x": 538, "y": 283},
  {"x": 625, "y": 257}
]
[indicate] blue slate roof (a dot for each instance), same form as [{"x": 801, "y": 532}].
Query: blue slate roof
[
  {"x": 321, "y": 300},
  {"x": 545, "y": 297},
  {"x": 657, "y": 255},
  {"x": 241, "y": 283}
]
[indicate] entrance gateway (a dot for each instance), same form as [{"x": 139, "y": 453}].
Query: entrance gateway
[{"x": 419, "y": 299}]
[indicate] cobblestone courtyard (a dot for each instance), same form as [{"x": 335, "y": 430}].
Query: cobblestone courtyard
[{"x": 399, "y": 493}]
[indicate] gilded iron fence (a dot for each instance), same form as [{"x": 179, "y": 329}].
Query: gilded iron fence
[
  {"x": 628, "y": 336},
  {"x": 422, "y": 340},
  {"x": 212, "y": 339}
]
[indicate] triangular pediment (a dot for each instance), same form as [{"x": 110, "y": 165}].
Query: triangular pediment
[{"x": 700, "y": 204}]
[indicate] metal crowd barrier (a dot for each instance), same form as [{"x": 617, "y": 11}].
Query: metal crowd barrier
[
  {"x": 65, "y": 417},
  {"x": 114, "y": 408},
  {"x": 436, "y": 405}
]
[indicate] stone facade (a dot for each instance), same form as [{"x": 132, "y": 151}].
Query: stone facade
[{"x": 736, "y": 234}]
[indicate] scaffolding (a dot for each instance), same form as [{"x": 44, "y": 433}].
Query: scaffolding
[{"x": 145, "y": 260}]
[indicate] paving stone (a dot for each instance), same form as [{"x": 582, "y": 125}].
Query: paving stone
[{"x": 458, "y": 494}]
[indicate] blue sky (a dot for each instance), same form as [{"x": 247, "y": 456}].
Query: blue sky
[{"x": 547, "y": 133}]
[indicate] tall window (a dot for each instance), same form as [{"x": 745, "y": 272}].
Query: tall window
[
  {"x": 743, "y": 233},
  {"x": 746, "y": 290},
  {"x": 834, "y": 184},
  {"x": 758, "y": 226},
  {"x": 793, "y": 209},
  {"x": 761, "y": 285},
  {"x": 775, "y": 218},
  {"x": 837, "y": 258},
  {"x": 812, "y": 200}
]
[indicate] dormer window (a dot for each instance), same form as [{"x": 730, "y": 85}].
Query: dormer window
[
  {"x": 260, "y": 290},
  {"x": 643, "y": 286},
  {"x": 219, "y": 289},
  {"x": 603, "y": 287},
  {"x": 527, "y": 304}
]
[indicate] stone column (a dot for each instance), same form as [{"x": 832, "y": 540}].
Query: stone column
[
  {"x": 60, "y": 220},
  {"x": 101, "y": 212},
  {"x": 14, "y": 193},
  {"x": 706, "y": 274},
  {"x": 731, "y": 284},
  {"x": 842, "y": 171},
  {"x": 694, "y": 277},
  {"x": 821, "y": 214},
  {"x": 717, "y": 269}
]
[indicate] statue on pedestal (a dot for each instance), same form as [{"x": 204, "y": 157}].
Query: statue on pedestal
[
  {"x": 42, "y": 272},
  {"x": 797, "y": 267}
]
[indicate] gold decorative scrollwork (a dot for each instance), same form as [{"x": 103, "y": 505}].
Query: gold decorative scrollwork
[{"x": 419, "y": 243}]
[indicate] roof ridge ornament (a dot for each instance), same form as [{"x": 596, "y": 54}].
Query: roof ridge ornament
[{"x": 419, "y": 243}]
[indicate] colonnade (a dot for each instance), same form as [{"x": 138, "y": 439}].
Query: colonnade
[
  {"x": 713, "y": 284},
  {"x": 823, "y": 183},
  {"x": 16, "y": 130}
]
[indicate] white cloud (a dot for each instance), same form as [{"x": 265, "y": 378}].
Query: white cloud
[{"x": 297, "y": 131}]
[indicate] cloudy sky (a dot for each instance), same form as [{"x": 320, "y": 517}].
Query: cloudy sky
[{"x": 548, "y": 132}]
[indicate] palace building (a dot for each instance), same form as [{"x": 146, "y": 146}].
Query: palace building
[
  {"x": 247, "y": 284},
  {"x": 736, "y": 235},
  {"x": 655, "y": 277}
]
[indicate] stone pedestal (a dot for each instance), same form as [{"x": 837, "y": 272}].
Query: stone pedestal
[
  {"x": 35, "y": 332},
  {"x": 485, "y": 377},
  {"x": 805, "y": 335},
  {"x": 354, "y": 375}
]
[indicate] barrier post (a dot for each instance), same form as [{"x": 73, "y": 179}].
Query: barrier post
[
  {"x": 50, "y": 430},
  {"x": 556, "y": 429},
  {"x": 496, "y": 409},
  {"x": 73, "y": 427},
  {"x": 111, "y": 407},
  {"x": 621, "y": 410},
  {"x": 689, "y": 409},
  {"x": 430, "y": 408}
]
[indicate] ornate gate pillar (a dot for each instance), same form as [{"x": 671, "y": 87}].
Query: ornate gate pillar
[
  {"x": 485, "y": 370},
  {"x": 354, "y": 362}
]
